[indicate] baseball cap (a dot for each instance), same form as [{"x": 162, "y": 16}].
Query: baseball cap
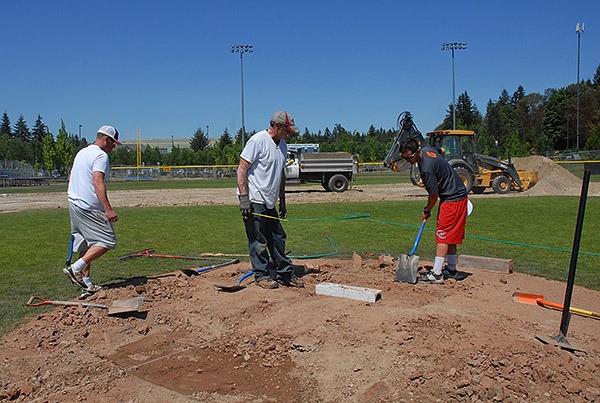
[
  {"x": 286, "y": 119},
  {"x": 110, "y": 132}
]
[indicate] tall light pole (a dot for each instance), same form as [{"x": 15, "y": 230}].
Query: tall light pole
[
  {"x": 79, "y": 132},
  {"x": 241, "y": 49},
  {"x": 453, "y": 46},
  {"x": 579, "y": 30}
]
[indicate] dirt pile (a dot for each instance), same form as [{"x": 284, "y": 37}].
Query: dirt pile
[
  {"x": 552, "y": 178},
  {"x": 461, "y": 341}
]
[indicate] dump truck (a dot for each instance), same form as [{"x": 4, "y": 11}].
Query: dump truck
[
  {"x": 333, "y": 170},
  {"x": 477, "y": 172}
]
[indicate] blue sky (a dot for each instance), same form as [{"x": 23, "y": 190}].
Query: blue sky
[{"x": 165, "y": 67}]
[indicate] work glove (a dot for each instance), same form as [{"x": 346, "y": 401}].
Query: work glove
[
  {"x": 282, "y": 207},
  {"x": 245, "y": 206}
]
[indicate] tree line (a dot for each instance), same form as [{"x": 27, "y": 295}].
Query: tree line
[{"x": 517, "y": 124}]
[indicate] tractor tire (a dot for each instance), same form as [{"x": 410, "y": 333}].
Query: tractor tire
[
  {"x": 501, "y": 184},
  {"x": 338, "y": 183},
  {"x": 478, "y": 189},
  {"x": 466, "y": 177}
]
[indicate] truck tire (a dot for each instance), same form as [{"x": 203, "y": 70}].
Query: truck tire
[
  {"x": 501, "y": 184},
  {"x": 338, "y": 183},
  {"x": 465, "y": 176}
]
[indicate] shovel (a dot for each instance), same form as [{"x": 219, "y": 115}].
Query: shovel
[
  {"x": 408, "y": 265},
  {"x": 195, "y": 272},
  {"x": 537, "y": 299},
  {"x": 117, "y": 306},
  {"x": 150, "y": 253},
  {"x": 237, "y": 287}
]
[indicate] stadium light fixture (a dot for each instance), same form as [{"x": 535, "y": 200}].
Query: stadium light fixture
[
  {"x": 241, "y": 49},
  {"x": 453, "y": 46}
]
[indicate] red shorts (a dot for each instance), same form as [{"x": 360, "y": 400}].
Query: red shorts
[{"x": 451, "y": 221}]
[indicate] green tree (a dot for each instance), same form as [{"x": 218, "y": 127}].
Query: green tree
[
  {"x": 38, "y": 133},
  {"x": 5, "y": 125},
  {"x": 21, "y": 130},
  {"x": 593, "y": 140},
  {"x": 199, "y": 140},
  {"x": 50, "y": 156},
  {"x": 65, "y": 151},
  {"x": 225, "y": 140},
  {"x": 596, "y": 82}
]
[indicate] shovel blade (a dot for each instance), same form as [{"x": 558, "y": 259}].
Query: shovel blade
[
  {"x": 525, "y": 298},
  {"x": 406, "y": 270},
  {"x": 229, "y": 288},
  {"x": 125, "y": 305}
]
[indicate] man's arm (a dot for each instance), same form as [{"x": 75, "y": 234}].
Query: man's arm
[
  {"x": 100, "y": 188},
  {"x": 242, "y": 176}
]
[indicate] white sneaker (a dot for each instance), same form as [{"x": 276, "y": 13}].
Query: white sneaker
[
  {"x": 75, "y": 277},
  {"x": 86, "y": 292},
  {"x": 432, "y": 278}
]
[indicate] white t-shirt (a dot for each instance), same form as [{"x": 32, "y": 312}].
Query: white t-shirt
[
  {"x": 81, "y": 191},
  {"x": 267, "y": 164}
]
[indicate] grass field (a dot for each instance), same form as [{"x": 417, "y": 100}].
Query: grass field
[{"x": 536, "y": 232}]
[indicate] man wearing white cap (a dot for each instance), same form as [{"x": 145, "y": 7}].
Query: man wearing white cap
[
  {"x": 261, "y": 182},
  {"x": 91, "y": 213}
]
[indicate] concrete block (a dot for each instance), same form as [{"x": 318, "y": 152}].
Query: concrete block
[
  {"x": 486, "y": 263},
  {"x": 348, "y": 291}
]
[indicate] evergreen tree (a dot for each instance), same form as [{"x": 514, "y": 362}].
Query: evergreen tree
[
  {"x": 517, "y": 95},
  {"x": 596, "y": 82},
  {"x": 40, "y": 130},
  {"x": 20, "y": 130},
  {"x": 5, "y": 125},
  {"x": 199, "y": 140},
  {"x": 225, "y": 140}
]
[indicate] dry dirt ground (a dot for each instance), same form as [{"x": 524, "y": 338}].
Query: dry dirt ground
[{"x": 463, "y": 340}]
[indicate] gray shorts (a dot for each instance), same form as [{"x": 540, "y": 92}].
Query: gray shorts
[{"x": 91, "y": 228}]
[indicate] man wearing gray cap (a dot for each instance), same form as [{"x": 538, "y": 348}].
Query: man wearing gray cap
[
  {"x": 92, "y": 216},
  {"x": 261, "y": 183}
]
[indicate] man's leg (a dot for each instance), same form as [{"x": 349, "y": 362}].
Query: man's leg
[
  {"x": 441, "y": 251},
  {"x": 283, "y": 265},
  {"x": 257, "y": 247},
  {"x": 451, "y": 259}
]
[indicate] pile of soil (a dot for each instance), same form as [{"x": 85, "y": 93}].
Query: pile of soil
[
  {"x": 553, "y": 179},
  {"x": 461, "y": 341}
]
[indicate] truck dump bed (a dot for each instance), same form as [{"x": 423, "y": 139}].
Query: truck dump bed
[{"x": 328, "y": 162}]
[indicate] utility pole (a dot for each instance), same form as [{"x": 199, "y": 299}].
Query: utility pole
[
  {"x": 579, "y": 30},
  {"x": 241, "y": 49},
  {"x": 453, "y": 46}
]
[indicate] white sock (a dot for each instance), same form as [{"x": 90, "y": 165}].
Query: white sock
[
  {"x": 88, "y": 281},
  {"x": 438, "y": 265},
  {"x": 78, "y": 265},
  {"x": 451, "y": 260}
]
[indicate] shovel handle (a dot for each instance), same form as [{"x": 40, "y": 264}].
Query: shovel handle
[
  {"x": 43, "y": 301},
  {"x": 556, "y": 305},
  {"x": 414, "y": 248},
  {"x": 245, "y": 276},
  {"x": 216, "y": 266}
]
